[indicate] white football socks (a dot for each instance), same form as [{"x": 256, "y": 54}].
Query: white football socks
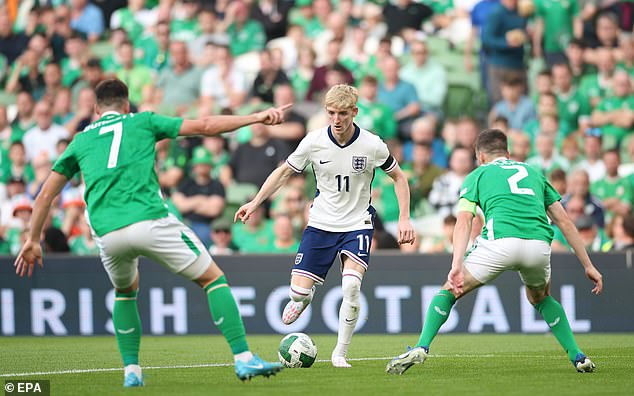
[
  {"x": 133, "y": 368},
  {"x": 349, "y": 311},
  {"x": 243, "y": 357}
]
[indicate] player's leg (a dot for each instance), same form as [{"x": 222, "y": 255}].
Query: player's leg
[
  {"x": 175, "y": 246},
  {"x": 440, "y": 307},
  {"x": 483, "y": 263},
  {"x": 535, "y": 274},
  {"x": 121, "y": 264},
  {"x": 127, "y": 326},
  {"x": 301, "y": 292},
  {"x": 316, "y": 253},
  {"x": 351, "y": 278}
]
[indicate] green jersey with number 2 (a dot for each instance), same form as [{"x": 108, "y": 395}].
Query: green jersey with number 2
[
  {"x": 514, "y": 198},
  {"x": 116, "y": 157}
]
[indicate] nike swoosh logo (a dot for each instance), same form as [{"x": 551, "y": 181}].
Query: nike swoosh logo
[
  {"x": 440, "y": 311},
  {"x": 128, "y": 331},
  {"x": 219, "y": 321},
  {"x": 324, "y": 162},
  {"x": 349, "y": 320},
  {"x": 257, "y": 366},
  {"x": 554, "y": 322}
]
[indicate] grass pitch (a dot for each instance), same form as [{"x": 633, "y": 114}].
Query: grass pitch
[{"x": 199, "y": 365}]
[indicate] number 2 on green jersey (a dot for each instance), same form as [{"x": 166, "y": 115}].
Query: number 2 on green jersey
[
  {"x": 117, "y": 129},
  {"x": 516, "y": 178}
]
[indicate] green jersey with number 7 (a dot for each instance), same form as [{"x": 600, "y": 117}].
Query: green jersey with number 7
[
  {"x": 514, "y": 199},
  {"x": 116, "y": 156}
]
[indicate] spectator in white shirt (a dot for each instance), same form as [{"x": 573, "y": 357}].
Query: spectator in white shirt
[{"x": 43, "y": 137}]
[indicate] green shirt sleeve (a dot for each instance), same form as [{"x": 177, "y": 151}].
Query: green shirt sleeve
[
  {"x": 67, "y": 163},
  {"x": 469, "y": 190},
  {"x": 550, "y": 194},
  {"x": 164, "y": 127}
]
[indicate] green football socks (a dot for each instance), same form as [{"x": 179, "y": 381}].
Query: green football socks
[
  {"x": 127, "y": 326},
  {"x": 554, "y": 315},
  {"x": 225, "y": 314},
  {"x": 436, "y": 316}
]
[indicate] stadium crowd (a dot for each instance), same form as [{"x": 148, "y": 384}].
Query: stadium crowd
[{"x": 556, "y": 76}]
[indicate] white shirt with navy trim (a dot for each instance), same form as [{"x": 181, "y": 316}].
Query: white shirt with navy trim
[{"x": 344, "y": 175}]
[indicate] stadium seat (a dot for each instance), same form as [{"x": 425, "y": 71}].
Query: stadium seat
[{"x": 459, "y": 101}]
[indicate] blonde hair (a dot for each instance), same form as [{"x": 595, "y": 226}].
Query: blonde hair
[{"x": 341, "y": 96}]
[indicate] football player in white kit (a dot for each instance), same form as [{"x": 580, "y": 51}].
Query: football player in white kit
[{"x": 344, "y": 158}]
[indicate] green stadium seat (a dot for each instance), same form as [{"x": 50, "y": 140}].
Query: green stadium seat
[{"x": 459, "y": 101}]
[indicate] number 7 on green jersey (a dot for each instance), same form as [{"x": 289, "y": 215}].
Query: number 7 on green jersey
[{"x": 117, "y": 129}]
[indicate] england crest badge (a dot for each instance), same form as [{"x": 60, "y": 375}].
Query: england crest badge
[{"x": 359, "y": 163}]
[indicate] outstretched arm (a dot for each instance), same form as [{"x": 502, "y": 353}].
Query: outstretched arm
[
  {"x": 558, "y": 215},
  {"x": 215, "y": 125},
  {"x": 406, "y": 232},
  {"x": 31, "y": 251},
  {"x": 275, "y": 180}
]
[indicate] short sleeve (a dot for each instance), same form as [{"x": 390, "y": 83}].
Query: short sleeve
[
  {"x": 67, "y": 163},
  {"x": 301, "y": 156},
  {"x": 383, "y": 159},
  {"x": 550, "y": 194},
  {"x": 164, "y": 127},
  {"x": 412, "y": 96},
  {"x": 469, "y": 189}
]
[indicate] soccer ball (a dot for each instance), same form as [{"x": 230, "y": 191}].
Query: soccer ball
[{"x": 297, "y": 350}]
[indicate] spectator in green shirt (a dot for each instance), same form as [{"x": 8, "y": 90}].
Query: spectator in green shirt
[
  {"x": 256, "y": 236},
  {"x": 374, "y": 116},
  {"x": 285, "y": 241},
  {"x": 557, "y": 22},
  {"x": 76, "y": 50},
  {"x": 596, "y": 86},
  {"x": 615, "y": 192},
  {"x": 245, "y": 35},
  {"x": 25, "y": 117},
  {"x": 138, "y": 78},
  {"x": 615, "y": 113},
  {"x": 570, "y": 102},
  {"x": 428, "y": 77}
]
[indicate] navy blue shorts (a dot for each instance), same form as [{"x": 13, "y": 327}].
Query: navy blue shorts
[{"x": 319, "y": 249}]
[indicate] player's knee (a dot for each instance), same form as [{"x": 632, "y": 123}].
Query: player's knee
[
  {"x": 298, "y": 293},
  {"x": 535, "y": 296},
  {"x": 351, "y": 284}
]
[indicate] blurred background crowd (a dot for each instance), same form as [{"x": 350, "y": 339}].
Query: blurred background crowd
[{"x": 555, "y": 75}]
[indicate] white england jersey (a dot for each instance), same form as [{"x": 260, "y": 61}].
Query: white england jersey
[{"x": 344, "y": 175}]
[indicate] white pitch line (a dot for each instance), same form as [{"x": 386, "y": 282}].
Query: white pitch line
[{"x": 205, "y": 365}]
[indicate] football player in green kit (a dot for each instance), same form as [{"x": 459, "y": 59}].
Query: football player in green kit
[
  {"x": 129, "y": 217},
  {"x": 516, "y": 201}
]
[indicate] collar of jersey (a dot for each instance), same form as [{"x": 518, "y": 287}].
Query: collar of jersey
[
  {"x": 500, "y": 159},
  {"x": 109, "y": 113},
  {"x": 355, "y": 135}
]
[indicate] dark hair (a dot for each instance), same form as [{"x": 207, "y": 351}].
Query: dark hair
[
  {"x": 565, "y": 65},
  {"x": 492, "y": 141},
  {"x": 450, "y": 220},
  {"x": 544, "y": 72},
  {"x": 557, "y": 175},
  {"x": 512, "y": 81},
  {"x": 502, "y": 120},
  {"x": 575, "y": 42},
  {"x": 111, "y": 92},
  {"x": 370, "y": 79}
]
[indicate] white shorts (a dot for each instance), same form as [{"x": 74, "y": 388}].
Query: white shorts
[
  {"x": 166, "y": 241},
  {"x": 488, "y": 259}
]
